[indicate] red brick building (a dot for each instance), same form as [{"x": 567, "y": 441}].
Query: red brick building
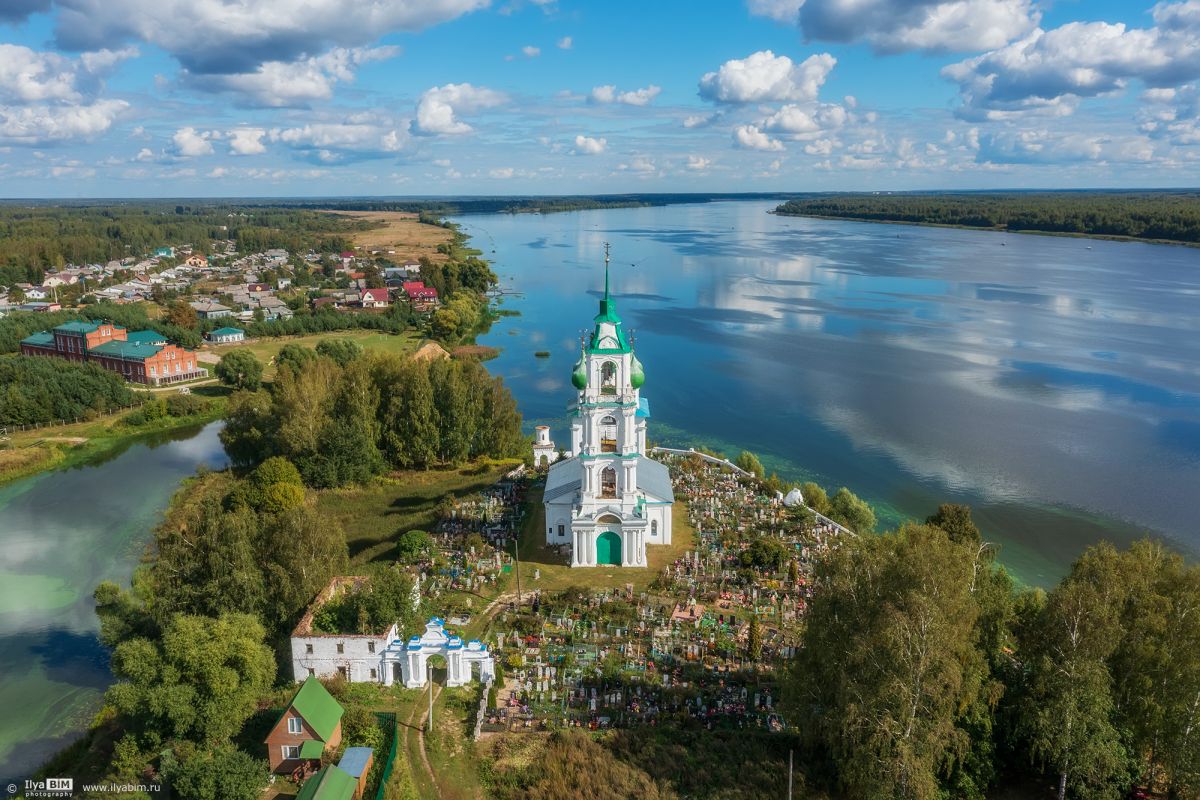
[{"x": 141, "y": 357}]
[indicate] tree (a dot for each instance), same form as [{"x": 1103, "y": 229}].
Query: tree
[
  {"x": 1067, "y": 703},
  {"x": 250, "y": 427},
  {"x": 240, "y": 369},
  {"x": 340, "y": 351},
  {"x": 750, "y": 463},
  {"x": 815, "y": 497},
  {"x": 765, "y": 552},
  {"x": 181, "y": 314},
  {"x": 222, "y": 773},
  {"x": 412, "y": 545},
  {"x": 200, "y": 681},
  {"x": 852, "y": 512},
  {"x": 295, "y": 356},
  {"x": 889, "y": 659},
  {"x": 754, "y": 639},
  {"x": 956, "y": 521}
]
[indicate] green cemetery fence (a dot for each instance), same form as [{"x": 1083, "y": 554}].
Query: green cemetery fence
[{"x": 388, "y": 719}]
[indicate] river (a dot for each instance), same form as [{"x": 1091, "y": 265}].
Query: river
[
  {"x": 1053, "y": 383},
  {"x": 62, "y": 533}
]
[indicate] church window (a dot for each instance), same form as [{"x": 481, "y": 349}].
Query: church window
[
  {"x": 562, "y": 530},
  {"x": 654, "y": 527},
  {"x": 608, "y": 482},
  {"x": 608, "y": 435},
  {"x": 608, "y": 378}
]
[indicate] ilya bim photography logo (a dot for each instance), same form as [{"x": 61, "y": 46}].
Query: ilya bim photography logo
[
  {"x": 47, "y": 787},
  {"x": 65, "y": 787}
]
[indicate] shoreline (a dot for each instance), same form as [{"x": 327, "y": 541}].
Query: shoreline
[{"x": 1064, "y": 234}]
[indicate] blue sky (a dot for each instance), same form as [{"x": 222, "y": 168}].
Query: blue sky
[{"x": 416, "y": 97}]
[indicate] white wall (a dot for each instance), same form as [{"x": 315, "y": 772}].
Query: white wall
[{"x": 325, "y": 659}]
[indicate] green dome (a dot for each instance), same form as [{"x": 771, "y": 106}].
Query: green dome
[
  {"x": 637, "y": 375},
  {"x": 579, "y": 376}
]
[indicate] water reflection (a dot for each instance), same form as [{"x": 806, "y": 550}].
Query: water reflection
[{"x": 1052, "y": 385}]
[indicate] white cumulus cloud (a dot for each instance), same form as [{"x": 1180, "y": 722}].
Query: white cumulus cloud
[
  {"x": 439, "y": 109},
  {"x": 297, "y": 83},
  {"x": 590, "y": 146},
  {"x": 764, "y": 77},
  {"x": 749, "y": 137},
  {"x": 191, "y": 143},
  {"x": 247, "y": 141},
  {"x": 565, "y": 43}
]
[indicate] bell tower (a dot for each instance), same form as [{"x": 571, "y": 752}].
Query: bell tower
[{"x": 611, "y": 516}]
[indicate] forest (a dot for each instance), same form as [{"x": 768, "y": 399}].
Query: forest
[
  {"x": 342, "y": 423},
  {"x": 41, "y": 390},
  {"x": 1156, "y": 216}
]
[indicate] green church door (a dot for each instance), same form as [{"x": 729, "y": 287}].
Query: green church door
[{"x": 608, "y": 548}]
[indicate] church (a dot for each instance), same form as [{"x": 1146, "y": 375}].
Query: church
[{"x": 608, "y": 501}]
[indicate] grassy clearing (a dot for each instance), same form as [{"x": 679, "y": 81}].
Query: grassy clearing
[
  {"x": 399, "y": 231},
  {"x": 556, "y": 572},
  {"x": 373, "y": 516},
  {"x": 266, "y": 349}
]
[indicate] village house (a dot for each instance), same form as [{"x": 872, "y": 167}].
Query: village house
[
  {"x": 210, "y": 309},
  {"x": 421, "y": 297},
  {"x": 374, "y": 298},
  {"x": 309, "y": 726},
  {"x": 196, "y": 260},
  {"x": 164, "y": 252},
  {"x": 225, "y": 335},
  {"x": 143, "y": 357}
]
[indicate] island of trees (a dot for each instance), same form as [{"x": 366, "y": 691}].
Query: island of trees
[{"x": 1153, "y": 216}]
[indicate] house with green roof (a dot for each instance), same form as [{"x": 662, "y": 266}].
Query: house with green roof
[
  {"x": 310, "y": 725},
  {"x": 226, "y": 335}
]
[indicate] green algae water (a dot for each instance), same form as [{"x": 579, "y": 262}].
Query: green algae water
[
  {"x": 1052, "y": 383},
  {"x": 61, "y": 533}
]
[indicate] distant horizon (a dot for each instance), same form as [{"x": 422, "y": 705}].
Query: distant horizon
[{"x": 699, "y": 195}]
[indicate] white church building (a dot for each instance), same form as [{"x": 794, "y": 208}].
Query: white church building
[{"x": 607, "y": 501}]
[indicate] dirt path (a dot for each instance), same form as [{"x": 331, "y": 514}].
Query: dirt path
[{"x": 437, "y": 690}]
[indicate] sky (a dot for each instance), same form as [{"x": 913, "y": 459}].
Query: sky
[{"x": 223, "y": 98}]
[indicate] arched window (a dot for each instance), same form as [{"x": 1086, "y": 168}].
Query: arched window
[
  {"x": 608, "y": 482},
  {"x": 654, "y": 527},
  {"x": 608, "y": 378},
  {"x": 608, "y": 435}
]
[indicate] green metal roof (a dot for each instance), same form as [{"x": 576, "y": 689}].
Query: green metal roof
[
  {"x": 41, "y": 338},
  {"x": 146, "y": 337},
  {"x": 317, "y": 706},
  {"x": 328, "y": 783},
  {"x": 134, "y": 351},
  {"x": 312, "y": 748},
  {"x": 77, "y": 327},
  {"x": 225, "y": 331},
  {"x": 608, "y": 315}
]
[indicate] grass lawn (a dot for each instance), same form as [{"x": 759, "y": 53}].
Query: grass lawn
[
  {"x": 266, "y": 348},
  {"x": 557, "y": 573},
  {"x": 373, "y": 516}
]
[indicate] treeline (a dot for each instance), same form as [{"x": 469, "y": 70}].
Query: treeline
[
  {"x": 33, "y": 238},
  {"x": 531, "y": 204},
  {"x": 345, "y": 423},
  {"x": 36, "y": 390},
  {"x": 926, "y": 673},
  {"x": 1164, "y": 216}
]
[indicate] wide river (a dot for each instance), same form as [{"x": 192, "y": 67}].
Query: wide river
[{"x": 1052, "y": 383}]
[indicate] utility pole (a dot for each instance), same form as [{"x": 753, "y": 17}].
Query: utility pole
[
  {"x": 429, "y": 674},
  {"x": 790, "y": 752}
]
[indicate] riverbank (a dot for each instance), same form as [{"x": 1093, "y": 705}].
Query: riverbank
[
  {"x": 1061, "y": 234},
  {"x": 27, "y": 453}
]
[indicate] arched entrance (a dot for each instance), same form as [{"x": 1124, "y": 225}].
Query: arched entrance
[{"x": 608, "y": 548}]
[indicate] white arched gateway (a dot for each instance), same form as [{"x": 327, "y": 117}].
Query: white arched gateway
[{"x": 407, "y": 661}]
